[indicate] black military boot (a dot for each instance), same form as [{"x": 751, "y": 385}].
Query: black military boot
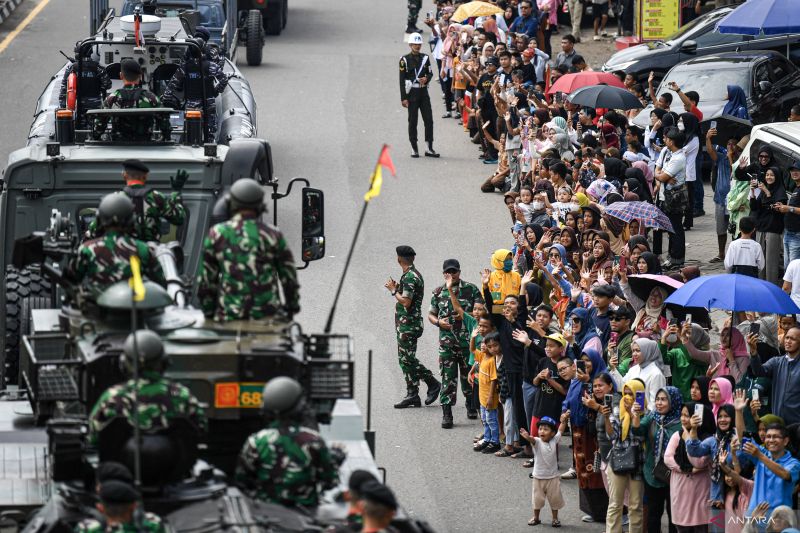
[
  {"x": 414, "y": 150},
  {"x": 430, "y": 152},
  {"x": 472, "y": 413},
  {"x": 411, "y": 400},
  {"x": 447, "y": 417},
  {"x": 434, "y": 388}
]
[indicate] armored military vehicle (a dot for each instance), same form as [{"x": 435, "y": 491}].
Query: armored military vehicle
[{"x": 70, "y": 169}]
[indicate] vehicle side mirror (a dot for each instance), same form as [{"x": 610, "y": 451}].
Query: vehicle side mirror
[
  {"x": 313, "y": 213},
  {"x": 689, "y": 46},
  {"x": 764, "y": 87}
]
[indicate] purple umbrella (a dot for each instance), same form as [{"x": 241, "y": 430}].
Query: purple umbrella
[{"x": 650, "y": 215}]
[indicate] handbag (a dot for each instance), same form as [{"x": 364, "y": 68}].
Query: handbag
[
  {"x": 676, "y": 200},
  {"x": 661, "y": 471},
  {"x": 624, "y": 459}
]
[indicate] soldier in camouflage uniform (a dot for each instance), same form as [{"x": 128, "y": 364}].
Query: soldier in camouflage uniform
[
  {"x": 414, "y": 7},
  {"x": 160, "y": 399},
  {"x": 408, "y": 295},
  {"x": 286, "y": 463},
  {"x": 151, "y": 207},
  {"x": 106, "y": 260},
  {"x": 118, "y": 503},
  {"x": 198, "y": 77},
  {"x": 453, "y": 338},
  {"x": 244, "y": 260},
  {"x": 132, "y": 95}
]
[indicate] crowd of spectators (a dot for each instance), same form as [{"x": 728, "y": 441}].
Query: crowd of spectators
[{"x": 664, "y": 423}]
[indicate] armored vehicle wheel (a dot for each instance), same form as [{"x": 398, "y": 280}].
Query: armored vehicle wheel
[
  {"x": 21, "y": 285},
  {"x": 255, "y": 42},
  {"x": 275, "y": 17}
]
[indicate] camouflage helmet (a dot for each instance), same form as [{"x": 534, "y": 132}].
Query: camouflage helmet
[
  {"x": 282, "y": 396},
  {"x": 246, "y": 193},
  {"x": 150, "y": 348},
  {"x": 115, "y": 209}
]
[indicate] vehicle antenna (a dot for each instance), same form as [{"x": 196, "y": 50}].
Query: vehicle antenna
[{"x": 71, "y": 59}]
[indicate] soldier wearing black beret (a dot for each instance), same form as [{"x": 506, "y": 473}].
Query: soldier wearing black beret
[
  {"x": 118, "y": 503},
  {"x": 408, "y": 295},
  {"x": 380, "y": 507}
]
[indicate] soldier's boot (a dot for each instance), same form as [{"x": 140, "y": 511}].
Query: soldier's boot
[
  {"x": 447, "y": 417},
  {"x": 430, "y": 152},
  {"x": 472, "y": 413},
  {"x": 414, "y": 150},
  {"x": 411, "y": 400},
  {"x": 411, "y": 28},
  {"x": 434, "y": 388}
]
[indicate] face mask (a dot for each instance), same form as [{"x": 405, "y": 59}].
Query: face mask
[
  {"x": 538, "y": 205},
  {"x": 507, "y": 265},
  {"x": 672, "y": 338}
]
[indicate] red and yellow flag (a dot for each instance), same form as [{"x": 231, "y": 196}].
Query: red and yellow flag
[{"x": 384, "y": 160}]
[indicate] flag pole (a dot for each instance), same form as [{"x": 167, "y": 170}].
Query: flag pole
[{"x": 329, "y": 323}]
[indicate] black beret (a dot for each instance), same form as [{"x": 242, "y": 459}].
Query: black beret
[
  {"x": 114, "y": 491},
  {"x": 604, "y": 290},
  {"x": 113, "y": 470},
  {"x": 358, "y": 478},
  {"x": 375, "y": 492},
  {"x": 405, "y": 251},
  {"x": 130, "y": 66},
  {"x": 451, "y": 264},
  {"x": 135, "y": 164}
]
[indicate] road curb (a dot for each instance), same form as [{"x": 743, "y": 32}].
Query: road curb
[{"x": 8, "y": 7}]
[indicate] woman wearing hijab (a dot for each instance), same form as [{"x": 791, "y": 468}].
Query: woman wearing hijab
[
  {"x": 736, "y": 105},
  {"x": 720, "y": 392},
  {"x": 647, "y": 366},
  {"x": 769, "y": 222},
  {"x": 657, "y": 428},
  {"x": 648, "y": 175},
  {"x": 684, "y": 369},
  {"x": 618, "y": 230},
  {"x": 732, "y": 358},
  {"x": 582, "y": 335},
  {"x": 714, "y": 445},
  {"x": 533, "y": 234},
  {"x": 651, "y": 317},
  {"x": 601, "y": 252},
  {"x": 618, "y": 430},
  {"x": 591, "y": 216},
  {"x": 610, "y": 137},
  {"x": 699, "y": 390},
  {"x": 654, "y": 134},
  {"x": 691, "y": 129},
  {"x": 637, "y": 183},
  {"x": 569, "y": 240},
  {"x": 689, "y": 482},
  {"x": 614, "y": 171}
]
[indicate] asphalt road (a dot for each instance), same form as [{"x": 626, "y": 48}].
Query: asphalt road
[{"x": 327, "y": 97}]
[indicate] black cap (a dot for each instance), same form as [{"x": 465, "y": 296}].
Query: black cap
[
  {"x": 493, "y": 61},
  {"x": 451, "y": 264},
  {"x": 375, "y": 492},
  {"x": 130, "y": 67},
  {"x": 795, "y": 165},
  {"x": 135, "y": 164},
  {"x": 621, "y": 312},
  {"x": 114, "y": 491},
  {"x": 112, "y": 470},
  {"x": 405, "y": 251},
  {"x": 202, "y": 32},
  {"x": 358, "y": 478},
  {"x": 604, "y": 290}
]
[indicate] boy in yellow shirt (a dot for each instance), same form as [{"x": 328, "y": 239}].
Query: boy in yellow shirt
[{"x": 489, "y": 396}]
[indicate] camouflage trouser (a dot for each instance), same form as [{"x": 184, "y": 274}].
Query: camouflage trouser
[
  {"x": 413, "y": 370},
  {"x": 452, "y": 361},
  {"x": 413, "y": 11},
  {"x": 210, "y": 112}
]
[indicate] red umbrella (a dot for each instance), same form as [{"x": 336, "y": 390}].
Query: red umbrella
[{"x": 572, "y": 82}]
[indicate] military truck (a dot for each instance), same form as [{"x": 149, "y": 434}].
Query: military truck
[{"x": 70, "y": 169}]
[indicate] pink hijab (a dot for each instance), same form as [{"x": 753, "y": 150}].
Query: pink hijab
[
  {"x": 648, "y": 174},
  {"x": 725, "y": 391},
  {"x": 739, "y": 347}
]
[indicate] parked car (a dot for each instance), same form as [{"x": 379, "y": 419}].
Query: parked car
[
  {"x": 770, "y": 81},
  {"x": 695, "y": 39}
]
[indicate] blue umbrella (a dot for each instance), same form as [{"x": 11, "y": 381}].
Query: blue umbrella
[
  {"x": 770, "y": 17},
  {"x": 734, "y": 292}
]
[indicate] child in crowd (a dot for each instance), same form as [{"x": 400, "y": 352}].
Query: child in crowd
[
  {"x": 489, "y": 397},
  {"x": 477, "y": 349},
  {"x": 524, "y": 205},
  {"x": 744, "y": 255},
  {"x": 563, "y": 206},
  {"x": 546, "y": 478}
]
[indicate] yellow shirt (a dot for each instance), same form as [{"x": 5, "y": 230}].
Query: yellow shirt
[{"x": 486, "y": 375}]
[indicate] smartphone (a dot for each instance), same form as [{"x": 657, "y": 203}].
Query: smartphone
[
  {"x": 608, "y": 400},
  {"x": 581, "y": 365},
  {"x": 614, "y": 336},
  {"x": 430, "y": 15},
  {"x": 745, "y": 440},
  {"x": 623, "y": 262},
  {"x": 673, "y": 321},
  {"x": 698, "y": 410},
  {"x": 640, "y": 400},
  {"x": 486, "y": 124},
  {"x": 755, "y": 328},
  {"x": 754, "y": 394},
  {"x": 689, "y": 318},
  {"x": 713, "y": 125}
]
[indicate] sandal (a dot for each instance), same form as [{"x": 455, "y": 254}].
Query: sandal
[
  {"x": 556, "y": 523},
  {"x": 717, "y": 259},
  {"x": 528, "y": 463},
  {"x": 534, "y": 522},
  {"x": 521, "y": 455},
  {"x": 502, "y": 453}
]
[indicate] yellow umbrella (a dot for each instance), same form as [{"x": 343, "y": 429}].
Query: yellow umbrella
[{"x": 475, "y": 9}]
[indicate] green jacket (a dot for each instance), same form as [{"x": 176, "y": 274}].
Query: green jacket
[
  {"x": 647, "y": 430},
  {"x": 684, "y": 368}
]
